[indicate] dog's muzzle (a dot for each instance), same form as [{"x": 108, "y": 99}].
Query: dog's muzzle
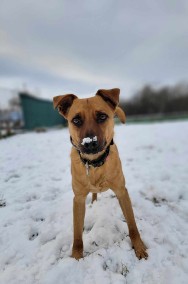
[{"x": 91, "y": 147}]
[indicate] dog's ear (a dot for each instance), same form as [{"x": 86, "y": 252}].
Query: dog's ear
[
  {"x": 111, "y": 97},
  {"x": 120, "y": 114},
  {"x": 63, "y": 103}
]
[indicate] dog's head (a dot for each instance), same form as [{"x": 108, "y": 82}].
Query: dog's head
[{"x": 90, "y": 121}]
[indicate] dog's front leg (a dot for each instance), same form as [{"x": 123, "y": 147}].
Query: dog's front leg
[
  {"x": 78, "y": 221},
  {"x": 125, "y": 203}
]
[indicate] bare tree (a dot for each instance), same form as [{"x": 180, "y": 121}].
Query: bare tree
[{"x": 164, "y": 100}]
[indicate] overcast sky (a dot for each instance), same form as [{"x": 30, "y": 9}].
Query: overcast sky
[{"x": 79, "y": 46}]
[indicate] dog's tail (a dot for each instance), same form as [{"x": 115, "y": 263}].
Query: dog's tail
[{"x": 120, "y": 114}]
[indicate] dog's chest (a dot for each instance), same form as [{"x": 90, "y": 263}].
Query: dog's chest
[{"x": 97, "y": 180}]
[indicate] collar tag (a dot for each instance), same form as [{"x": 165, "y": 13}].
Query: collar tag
[{"x": 87, "y": 168}]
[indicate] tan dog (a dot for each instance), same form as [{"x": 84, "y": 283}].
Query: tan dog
[{"x": 95, "y": 162}]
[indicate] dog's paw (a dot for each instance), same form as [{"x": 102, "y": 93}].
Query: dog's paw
[
  {"x": 140, "y": 248},
  {"x": 77, "y": 249},
  {"x": 77, "y": 254}
]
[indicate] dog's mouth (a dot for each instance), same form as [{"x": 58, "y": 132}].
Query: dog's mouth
[{"x": 92, "y": 147}]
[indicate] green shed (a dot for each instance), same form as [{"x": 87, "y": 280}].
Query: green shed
[{"x": 39, "y": 112}]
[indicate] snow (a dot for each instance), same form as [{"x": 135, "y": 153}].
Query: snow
[
  {"x": 36, "y": 210},
  {"x": 88, "y": 140}
]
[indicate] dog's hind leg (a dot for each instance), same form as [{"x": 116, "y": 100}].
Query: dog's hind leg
[{"x": 94, "y": 197}]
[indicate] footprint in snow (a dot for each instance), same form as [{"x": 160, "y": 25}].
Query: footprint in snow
[
  {"x": 33, "y": 236},
  {"x": 56, "y": 179},
  {"x": 32, "y": 198},
  {"x": 12, "y": 177},
  {"x": 40, "y": 219}
]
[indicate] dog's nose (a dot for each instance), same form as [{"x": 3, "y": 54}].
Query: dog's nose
[{"x": 91, "y": 146}]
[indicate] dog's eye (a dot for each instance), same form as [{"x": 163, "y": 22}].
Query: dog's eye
[
  {"x": 101, "y": 117},
  {"x": 77, "y": 121}
]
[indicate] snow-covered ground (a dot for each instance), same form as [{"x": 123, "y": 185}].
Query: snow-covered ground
[{"x": 36, "y": 223}]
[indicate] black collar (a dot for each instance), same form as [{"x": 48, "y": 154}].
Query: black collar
[{"x": 97, "y": 162}]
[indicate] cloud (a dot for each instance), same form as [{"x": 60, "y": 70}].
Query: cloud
[{"x": 86, "y": 45}]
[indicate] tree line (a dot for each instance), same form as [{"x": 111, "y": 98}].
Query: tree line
[{"x": 164, "y": 100}]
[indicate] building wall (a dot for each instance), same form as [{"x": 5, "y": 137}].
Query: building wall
[{"x": 39, "y": 113}]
